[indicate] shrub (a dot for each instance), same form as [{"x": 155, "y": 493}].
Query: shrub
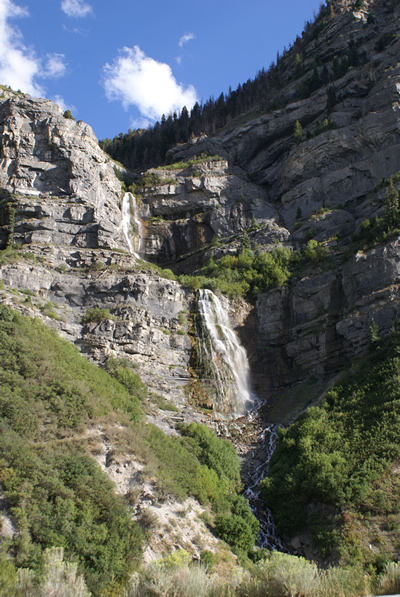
[
  {"x": 235, "y": 531},
  {"x": 217, "y": 454},
  {"x": 96, "y": 315},
  {"x": 246, "y": 273},
  {"x": 68, "y": 114},
  {"x": 339, "y": 453},
  {"x": 150, "y": 179},
  {"x": 58, "y": 578},
  {"x": 389, "y": 582}
]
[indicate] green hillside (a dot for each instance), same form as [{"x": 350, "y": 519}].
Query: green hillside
[{"x": 335, "y": 470}]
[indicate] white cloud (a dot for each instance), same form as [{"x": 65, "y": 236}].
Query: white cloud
[
  {"x": 135, "y": 79},
  {"x": 185, "y": 38},
  {"x": 18, "y": 64},
  {"x": 20, "y": 67},
  {"x": 55, "y": 66},
  {"x": 77, "y": 30},
  {"x": 141, "y": 123},
  {"x": 76, "y": 8}
]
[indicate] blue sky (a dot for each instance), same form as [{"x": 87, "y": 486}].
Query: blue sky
[{"x": 120, "y": 64}]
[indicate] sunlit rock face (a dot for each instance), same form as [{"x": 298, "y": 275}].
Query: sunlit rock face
[{"x": 66, "y": 187}]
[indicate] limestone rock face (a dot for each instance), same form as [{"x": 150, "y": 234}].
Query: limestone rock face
[
  {"x": 192, "y": 206},
  {"x": 320, "y": 322},
  {"x": 67, "y": 189},
  {"x": 144, "y": 323},
  {"x": 346, "y": 149}
]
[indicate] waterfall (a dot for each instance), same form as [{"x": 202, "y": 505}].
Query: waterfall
[
  {"x": 131, "y": 228},
  {"x": 222, "y": 361},
  {"x": 224, "y": 369}
]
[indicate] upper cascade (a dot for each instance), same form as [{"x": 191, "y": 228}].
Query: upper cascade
[
  {"x": 222, "y": 360},
  {"x": 131, "y": 224}
]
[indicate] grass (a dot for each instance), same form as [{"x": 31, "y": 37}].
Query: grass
[{"x": 201, "y": 159}]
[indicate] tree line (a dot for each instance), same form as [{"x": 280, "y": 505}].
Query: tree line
[{"x": 145, "y": 148}]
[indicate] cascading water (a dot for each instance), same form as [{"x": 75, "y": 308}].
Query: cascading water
[
  {"x": 222, "y": 360},
  {"x": 130, "y": 228},
  {"x": 224, "y": 367},
  {"x": 268, "y": 536}
]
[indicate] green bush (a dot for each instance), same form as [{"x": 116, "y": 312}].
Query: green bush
[
  {"x": 56, "y": 494},
  {"x": 246, "y": 273},
  {"x": 235, "y": 531},
  {"x": 123, "y": 371},
  {"x": 96, "y": 315},
  {"x": 217, "y": 454},
  {"x": 68, "y": 115}
]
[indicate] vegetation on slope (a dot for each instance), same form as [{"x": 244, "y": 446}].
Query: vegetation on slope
[
  {"x": 57, "y": 495},
  {"x": 335, "y": 470}
]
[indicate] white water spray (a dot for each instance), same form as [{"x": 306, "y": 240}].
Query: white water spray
[
  {"x": 222, "y": 358},
  {"x": 129, "y": 202}
]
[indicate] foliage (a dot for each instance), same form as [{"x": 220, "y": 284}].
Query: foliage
[
  {"x": 198, "y": 159},
  {"x": 390, "y": 580},
  {"x": 277, "y": 575},
  {"x": 96, "y": 315},
  {"x": 150, "y": 179},
  {"x": 123, "y": 371},
  {"x": 68, "y": 114},
  {"x": 162, "y": 403},
  {"x": 58, "y": 578},
  {"x": 336, "y": 453},
  {"x": 325, "y": 124},
  {"x": 246, "y": 273},
  {"x": 217, "y": 454},
  {"x": 377, "y": 229},
  {"x": 56, "y": 494},
  {"x": 298, "y": 131}
]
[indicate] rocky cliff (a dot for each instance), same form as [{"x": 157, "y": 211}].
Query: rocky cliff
[
  {"x": 62, "y": 202},
  {"x": 280, "y": 188}
]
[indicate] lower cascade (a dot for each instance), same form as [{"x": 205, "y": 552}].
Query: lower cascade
[
  {"x": 222, "y": 361},
  {"x": 130, "y": 228},
  {"x": 268, "y": 536}
]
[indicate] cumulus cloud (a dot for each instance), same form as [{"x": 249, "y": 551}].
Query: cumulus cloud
[
  {"x": 135, "y": 79},
  {"x": 20, "y": 67},
  {"x": 185, "y": 38},
  {"x": 76, "y": 8}
]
